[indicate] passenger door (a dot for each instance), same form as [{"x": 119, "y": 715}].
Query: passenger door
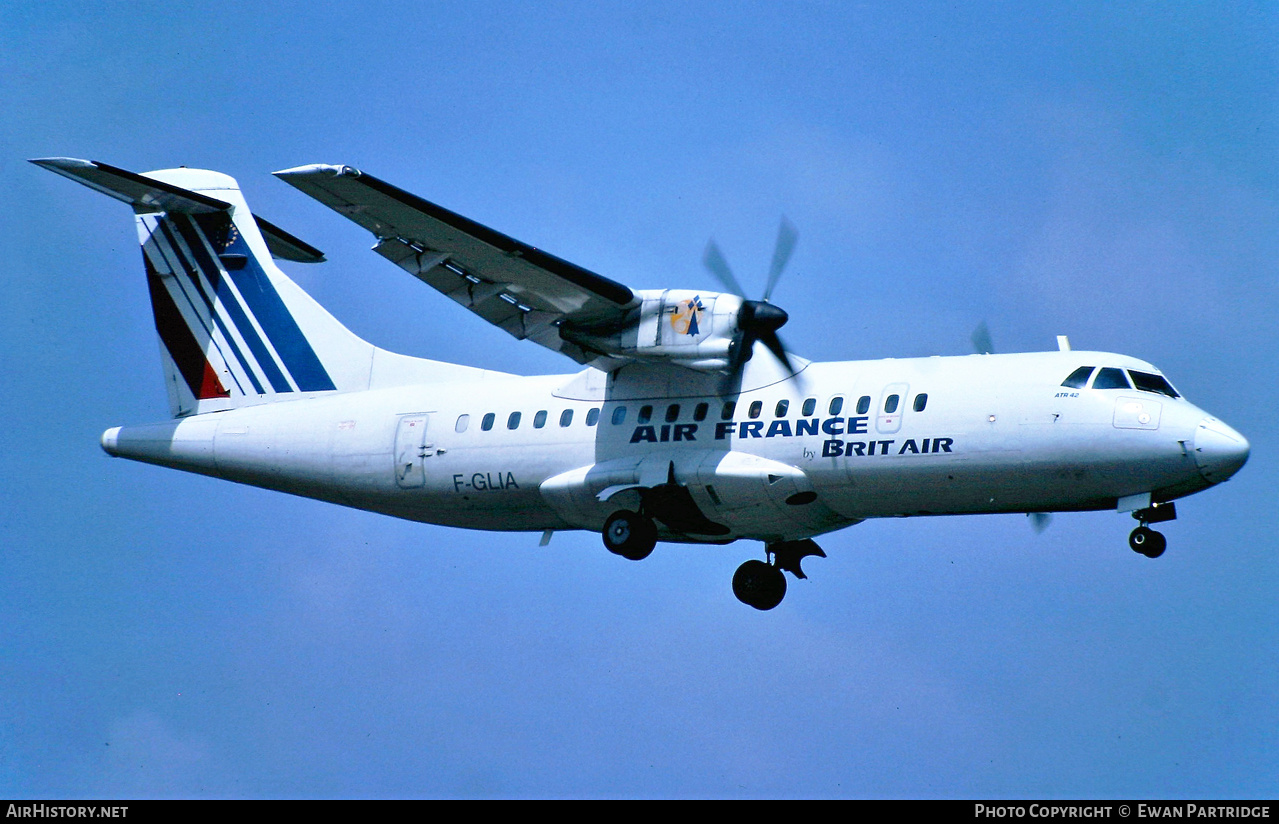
[{"x": 411, "y": 451}]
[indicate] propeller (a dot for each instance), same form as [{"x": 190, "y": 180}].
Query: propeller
[
  {"x": 982, "y": 344},
  {"x": 757, "y": 320}
]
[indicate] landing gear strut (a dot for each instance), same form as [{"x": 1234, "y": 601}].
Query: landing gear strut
[{"x": 630, "y": 534}]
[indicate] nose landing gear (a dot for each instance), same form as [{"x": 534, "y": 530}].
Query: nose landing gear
[
  {"x": 759, "y": 585},
  {"x": 762, "y": 585},
  {"x": 1145, "y": 540}
]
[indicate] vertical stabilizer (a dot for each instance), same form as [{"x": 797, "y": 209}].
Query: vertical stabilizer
[{"x": 234, "y": 329}]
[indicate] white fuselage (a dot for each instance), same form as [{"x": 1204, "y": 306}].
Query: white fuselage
[{"x": 995, "y": 433}]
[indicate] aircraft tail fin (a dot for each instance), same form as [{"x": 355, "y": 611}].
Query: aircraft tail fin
[{"x": 234, "y": 329}]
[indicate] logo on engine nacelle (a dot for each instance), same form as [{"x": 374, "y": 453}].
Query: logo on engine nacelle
[{"x": 686, "y": 316}]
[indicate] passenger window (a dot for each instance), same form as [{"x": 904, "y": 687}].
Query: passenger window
[
  {"x": 921, "y": 400},
  {"x": 566, "y": 417},
  {"x": 513, "y": 422},
  {"x": 699, "y": 411},
  {"x": 782, "y": 407},
  {"x": 1079, "y": 378},
  {"x": 1109, "y": 378},
  {"x": 1152, "y": 383},
  {"x": 592, "y": 416},
  {"x": 863, "y": 404},
  {"x": 619, "y": 415},
  {"x": 645, "y": 414},
  {"x": 836, "y": 405},
  {"x": 809, "y": 407},
  {"x": 463, "y": 421},
  {"x": 672, "y": 413},
  {"x": 539, "y": 420},
  {"x": 890, "y": 403},
  {"x": 756, "y": 408},
  {"x": 487, "y": 423},
  {"x": 726, "y": 414}
]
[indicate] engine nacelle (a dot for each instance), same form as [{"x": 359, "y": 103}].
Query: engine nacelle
[{"x": 691, "y": 328}]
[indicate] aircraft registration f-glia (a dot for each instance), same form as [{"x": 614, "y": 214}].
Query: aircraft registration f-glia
[{"x": 691, "y": 423}]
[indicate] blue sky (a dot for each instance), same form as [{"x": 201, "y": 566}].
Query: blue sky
[{"x": 1106, "y": 171}]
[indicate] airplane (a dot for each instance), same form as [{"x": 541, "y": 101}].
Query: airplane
[{"x": 690, "y": 422}]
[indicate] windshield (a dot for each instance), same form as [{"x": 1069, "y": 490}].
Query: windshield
[{"x": 1152, "y": 383}]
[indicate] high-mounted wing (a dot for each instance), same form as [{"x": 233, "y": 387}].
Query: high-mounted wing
[{"x": 527, "y": 292}]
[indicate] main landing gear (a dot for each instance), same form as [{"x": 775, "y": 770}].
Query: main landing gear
[
  {"x": 1145, "y": 540},
  {"x": 630, "y": 534},
  {"x": 761, "y": 584}
]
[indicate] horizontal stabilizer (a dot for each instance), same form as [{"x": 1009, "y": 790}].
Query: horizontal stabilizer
[
  {"x": 146, "y": 194},
  {"x": 285, "y": 246}
]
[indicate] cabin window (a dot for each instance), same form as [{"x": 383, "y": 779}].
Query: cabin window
[
  {"x": 863, "y": 404},
  {"x": 890, "y": 403},
  {"x": 921, "y": 400},
  {"x": 462, "y": 422},
  {"x": 566, "y": 417},
  {"x": 1109, "y": 378},
  {"x": 726, "y": 414},
  {"x": 699, "y": 411},
  {"x": 645, "y": 414},
  {"x": 809, "y": 407},
  {"x": 539, "y": 420},
  {"x": 757, "y": 407},
  {"x": 1152, "y": 383},
  {"x": 487, "y": 423},
  {"x": 619, "y": 416},
  {"x": 1079, "y": 378},
  {"x": 592, "y": 416},
  {"x": 513, "y": 422},
  {"x": 672, "y": 413},
  {"x": 780, "y": 410},
  {"x": 836, "y": 405}
]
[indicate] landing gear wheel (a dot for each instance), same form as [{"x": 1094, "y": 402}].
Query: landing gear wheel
[
  {"x": 1147, "y": 542},
  {"x": 630, "y": 535},
  {"x": 759, "y": 585}
]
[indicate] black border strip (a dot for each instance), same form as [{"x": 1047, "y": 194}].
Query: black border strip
[
  {"x": 608, "y": 289},
  {"x": 167, "y": 188}
]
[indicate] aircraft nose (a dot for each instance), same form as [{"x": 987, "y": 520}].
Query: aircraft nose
[{"x": 1219, "y": 450}]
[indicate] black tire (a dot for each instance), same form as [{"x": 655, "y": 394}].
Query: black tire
[
  {"x": 1146, "y": 541},
  {"x": 630, "y": 535},
  {"x": 759, "y": 585}
]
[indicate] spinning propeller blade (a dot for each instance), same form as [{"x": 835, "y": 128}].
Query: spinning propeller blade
[
  {"x": 982, "y": 344},
  {"x": 757, "y": 320}
]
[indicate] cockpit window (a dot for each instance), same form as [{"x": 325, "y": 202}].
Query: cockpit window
[
  {"x": 1079, "y": 378},
  {"x": 1152, "y": 383},
  {"x": 1110, "y": 378}
]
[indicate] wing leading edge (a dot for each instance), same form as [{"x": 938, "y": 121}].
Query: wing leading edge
[{"x": 527, "y": 292}]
